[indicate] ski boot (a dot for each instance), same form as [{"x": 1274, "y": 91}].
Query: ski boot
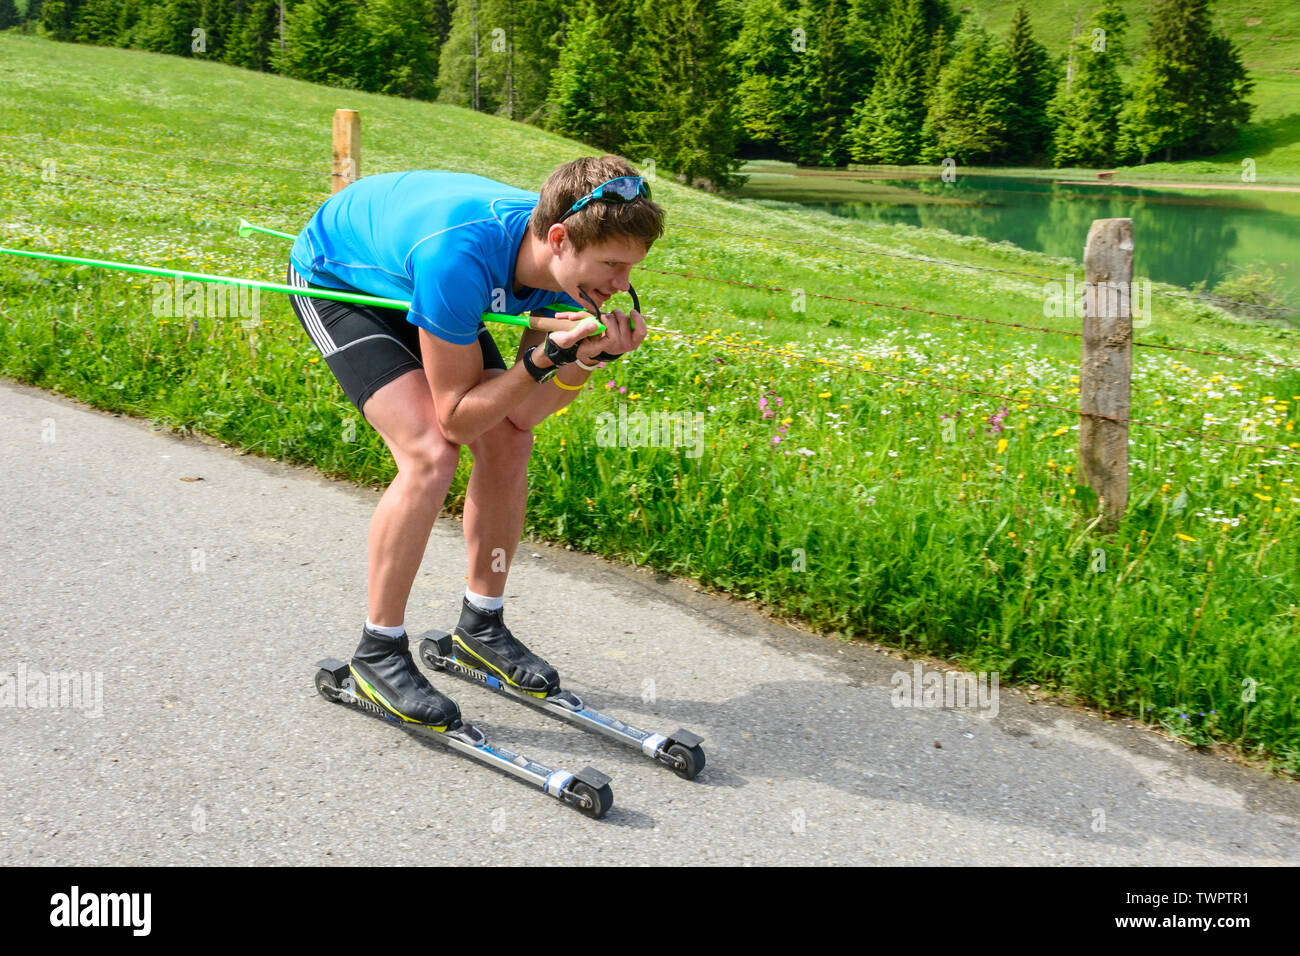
[
  {"x": 482, "y": 641},
  {"x": 386, "y": 675}
]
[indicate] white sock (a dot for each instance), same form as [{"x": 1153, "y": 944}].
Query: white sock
[
  {"x": 387, "y": 631},
  {"x": 483, "y": 602}
]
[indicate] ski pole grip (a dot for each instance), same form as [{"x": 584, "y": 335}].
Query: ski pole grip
[{"x": 553, "y": 323}]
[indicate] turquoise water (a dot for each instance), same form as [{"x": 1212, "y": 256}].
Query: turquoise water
[{"x": 1181, "y": 236}]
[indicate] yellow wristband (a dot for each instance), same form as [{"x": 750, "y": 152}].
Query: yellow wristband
[{"x": 571, "y": 388}]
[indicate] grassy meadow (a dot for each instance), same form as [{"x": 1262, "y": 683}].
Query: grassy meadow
[{"x": 842, "y": 477}]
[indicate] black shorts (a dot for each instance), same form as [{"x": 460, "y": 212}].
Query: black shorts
[{"x": 365, "y": 346}]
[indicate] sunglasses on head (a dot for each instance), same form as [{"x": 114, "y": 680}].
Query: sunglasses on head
[{"x": 619, "y": 189}]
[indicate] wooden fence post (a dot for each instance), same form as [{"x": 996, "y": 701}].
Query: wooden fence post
[
  {"x": 347, "y": 149},
  {"x": 1106, "y": 370}
]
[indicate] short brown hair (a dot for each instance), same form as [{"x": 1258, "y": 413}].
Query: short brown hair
[{"x": 596, "y": 221}]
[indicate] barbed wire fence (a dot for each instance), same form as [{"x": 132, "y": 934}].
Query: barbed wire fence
[{"x": 1103, "y": 413}]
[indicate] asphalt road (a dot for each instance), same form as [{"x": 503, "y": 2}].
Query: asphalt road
[{"x": 197, "y": 609}]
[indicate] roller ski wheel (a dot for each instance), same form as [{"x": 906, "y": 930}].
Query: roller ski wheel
[
  {"x": 596, "y": 801},
  {"x": 687, "y": 761},
  {"x": 327, "y": 685}
]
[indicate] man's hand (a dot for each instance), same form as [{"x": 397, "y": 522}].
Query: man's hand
[{"x": 617, "y": 339}]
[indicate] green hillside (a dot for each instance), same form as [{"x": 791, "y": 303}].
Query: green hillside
[
  {"x": 1266, "y": 31},
  {"x": 884, "y": 453}
]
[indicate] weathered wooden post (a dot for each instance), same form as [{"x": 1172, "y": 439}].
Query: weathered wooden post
[
  {"x": 1105, "y": 373},
  {"x": 347, "y": 149}
]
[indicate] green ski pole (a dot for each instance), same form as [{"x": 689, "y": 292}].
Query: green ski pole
[{"x": 541, "y": 323}]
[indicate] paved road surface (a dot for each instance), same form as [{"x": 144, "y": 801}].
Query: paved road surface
[{"x": 202, "y": 606}]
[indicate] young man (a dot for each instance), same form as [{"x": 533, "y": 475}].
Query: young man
[{"x": 431, "y": 380}]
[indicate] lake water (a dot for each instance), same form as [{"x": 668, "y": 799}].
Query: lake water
[{"x": 1181, "y": 235}]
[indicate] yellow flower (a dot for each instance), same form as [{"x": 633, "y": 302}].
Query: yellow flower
[
  {"x": 633, "y": 396},
  {"x": 1069, "y": 469},
  {"x": 1263, "y": 497},
  {"x": 314, "y": 359},
  {"x": 1184, "y": 537},
  {"x": 1002, "y": 445},
  {"x": 786, "y": 421},
  {"x": 823, "y": 394},
  {"x": 562, "y": 411},
  {"x": 1059, "y": 432},
  {"x": 1165, "y": 487},
  {"x": 697, "y": 380}
]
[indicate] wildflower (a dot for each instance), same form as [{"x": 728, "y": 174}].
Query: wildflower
[
  {"x": 1184, "y": 537},
  {"x": 622, "y": 389},
  {"x": 1059, "y": 432},
  {"x": 819, "y": 394},
  {"x": 1002, "y": 445}
]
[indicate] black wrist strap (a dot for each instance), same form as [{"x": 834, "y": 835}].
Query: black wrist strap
[{"x": 560, "y": 356}]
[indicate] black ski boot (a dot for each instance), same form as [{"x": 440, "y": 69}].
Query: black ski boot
[
  {"x": 386, "y": 675},
  {"x": 482, "y": 641}
]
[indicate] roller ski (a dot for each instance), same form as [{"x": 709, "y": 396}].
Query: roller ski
[
  {"x": 384, "y": 681},
  {"x": 482, "y": 650}
]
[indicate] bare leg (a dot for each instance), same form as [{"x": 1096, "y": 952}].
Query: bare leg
[
  {"x": 403, "y": 414},
  {"x": 495, "y": 502}
]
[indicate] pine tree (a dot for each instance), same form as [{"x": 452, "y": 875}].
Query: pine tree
[
  {"x": 320, "y": 40},
  {"x": 255, "y": 31},
  {"x": 1190, "y": 92},
  {"x": 967, "y": 118},
  {"x": 887, "y": 124},
  {"x": 1086, "y": 117},
  {"x": 819, "y": 87},
  {"x": 763, "y": 60},
  {"x": 165, "y": 27},
  {"x": 397, "y": 57},
  {"x": 1032, "y": 79},
  {"x": 590, "y": 93},
  {"x": 59, "y": 18},
  {"x": 8, "y": 14},
  {"x": 685, "y": 121}
]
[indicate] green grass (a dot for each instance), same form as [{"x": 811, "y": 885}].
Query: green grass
[{"x": 855, "y": 506}]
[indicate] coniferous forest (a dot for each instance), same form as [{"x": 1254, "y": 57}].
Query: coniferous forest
[{"x": 702, "y": 85}]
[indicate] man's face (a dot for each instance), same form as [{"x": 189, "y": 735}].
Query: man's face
[{"x": 601, "y": 269}]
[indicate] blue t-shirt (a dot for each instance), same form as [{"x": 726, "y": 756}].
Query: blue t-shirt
[{"x": 446, "y": 242}]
